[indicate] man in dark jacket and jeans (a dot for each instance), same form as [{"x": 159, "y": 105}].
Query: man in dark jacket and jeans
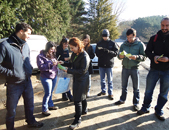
[
  {"x": 158, "y": 52},
  {"x": 106, "y": 50},
  {"x": 15, "y": 65}
]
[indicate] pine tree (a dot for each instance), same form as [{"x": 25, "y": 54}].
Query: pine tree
[{"x": 100, "y": 17}]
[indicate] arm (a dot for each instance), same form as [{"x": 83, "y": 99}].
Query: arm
[
  {"x": 120, "y": 57},
  {"x": 5, "y": 71},
  {"x": 83, "y": 66},
  {"x": 42, "y": 65},
  {"x": 142, "y": 55},
  {"x": 114, "y": 51},
  {"x": 91, "y": 55}
]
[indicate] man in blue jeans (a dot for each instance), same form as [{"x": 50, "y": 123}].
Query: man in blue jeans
[
  {"x": 158, "y": 52},
  {"x": 106, "y": 50},
  {"x": 130, "y": 64},
  {"x": 15, "y": 65}
]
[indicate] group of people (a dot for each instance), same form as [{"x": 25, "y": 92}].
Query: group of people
[{"x": 15, "y": 65}]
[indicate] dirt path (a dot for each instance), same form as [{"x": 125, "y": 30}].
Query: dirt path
[{"x": 102, "y": 115}]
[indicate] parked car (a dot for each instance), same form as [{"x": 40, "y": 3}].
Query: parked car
[
  {"x": 95, "y": 59},
  {"x": 36, "y": 44}
]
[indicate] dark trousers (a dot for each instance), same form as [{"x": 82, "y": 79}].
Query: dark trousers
[
  {"x": 14, "y": 92},
  {"x": 80, "y": 107},
  {"x": 67, "y": 95}
]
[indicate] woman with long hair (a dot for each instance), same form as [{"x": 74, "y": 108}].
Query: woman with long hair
[
  {"x": 78, "y": 66},
  {"x": 89, "y": 49},
  {"x": 63, "y": 55},
  {"x": 47, "y": 65}
]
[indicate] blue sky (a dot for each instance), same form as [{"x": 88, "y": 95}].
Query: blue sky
[{"x": 142, "y": 8}]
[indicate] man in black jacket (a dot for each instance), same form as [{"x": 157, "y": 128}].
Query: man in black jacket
[
  {"x": 158, "y": 52},
  {"x": 106, "y": 50},
  {"x": 15, "y": 65}
]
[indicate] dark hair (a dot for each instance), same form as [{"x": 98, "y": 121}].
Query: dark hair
[
  {"x": 166, "y": 18},
  {"x": 88, "y": 37},
  {"x": 49, "y": 45},
  {"x": 22, "y": 26},
  {"x": 76, "y": 42},
  {"x": 64, "y": 40},
  {"x": 131, "y": 31}
]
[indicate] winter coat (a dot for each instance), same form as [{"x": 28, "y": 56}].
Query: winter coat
[
  {"x": 107, "y": 53},
  {"x": 15, "y": 60},
  {"x": 157, "y": 48},
  {"x": 91, "y": 54},
  {"x": 136, "y": 48},
  {"x": 79, "y": 68},
  {"x": 63, "y": 53},
  {"x": 46, "y": 67}
]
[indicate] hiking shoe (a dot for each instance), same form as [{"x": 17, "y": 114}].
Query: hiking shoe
[
  {"x": 75, "y": 124},
  {"x": 110, "y": 97},
  {"x": 35, "y": 125},
  {"x": 46, "y": 113},
  {"x": 141, "y": 112},
  {"x": 101, "y": 93},
  {"x": 162, "y": 118},
  {"x": 53, "y": 108},
  {"x": 119, "y": 102},
  {"x": 135, "y": 107}
]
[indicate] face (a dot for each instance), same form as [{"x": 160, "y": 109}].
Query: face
[
  {"x": 24, "y": 35},
  {"x": 65, "y": 45},
  {"x": 85, "y": 41},
  {"x": 51, "y": 50},
  {"x": 131, "y": 38},
  {"x": 75, "y": 49},
  {"x": 165, "y": 26},
  {"x": 105, "y": 38}
]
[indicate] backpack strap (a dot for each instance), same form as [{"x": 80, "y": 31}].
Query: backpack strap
[{"x": 155, "y": 38}]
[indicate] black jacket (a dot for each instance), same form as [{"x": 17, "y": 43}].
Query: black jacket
[
  {"x": 91, "y": 54},
  {"x": 158, "y": 47},
  {"x": 15, "y": 60},
  {"x": 63, "y": 53},
  {"x": 106, "y": 51},
  {"x": 79, "y": 69}
]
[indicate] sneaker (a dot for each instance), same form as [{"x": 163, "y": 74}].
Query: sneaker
[
  {"x": 46, "y": 113},
  {"x": 141, "y": 112},
  {"x": 135, "y": 107},
  {"x": 101, "y": 93},
  {"x": 162, "y": 118},
  {"x": 110, "y": 97},
  {"x": 53, "y": 108},
  {"x": 36, "y": 125},
  {"x": 75, "y": 124},
  {"x": 119, "y": 102},
  {"x": 64, "y": 99},
  {"x": 88, "y": 94}
]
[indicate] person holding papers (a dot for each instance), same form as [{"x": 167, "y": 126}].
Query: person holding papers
[
  {"x": 47, "y": 64},
  {"x": 62, "y": 54},
  {"x": 78, "y": 66},
  {"x": 131, "y": 53}
]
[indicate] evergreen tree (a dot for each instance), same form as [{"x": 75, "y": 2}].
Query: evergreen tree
[
  {"x": 100, "y": 17},
  {"x": 77, "y": 14}
]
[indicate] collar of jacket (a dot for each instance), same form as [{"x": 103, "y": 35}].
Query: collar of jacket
[{"x": 17, "y": 40}]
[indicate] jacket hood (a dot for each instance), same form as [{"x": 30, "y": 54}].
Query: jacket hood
[{"x": 16, "y": 39}]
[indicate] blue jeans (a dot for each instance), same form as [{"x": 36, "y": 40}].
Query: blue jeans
[
  {"x": 89, "y": 83},
  {"x": 14, "y": 92},
  {"x": 152, "y": 78},
  {"x": 109, "y": 72},
  {"x": 134, "y": 73},
  {"x": 48, "y": 85}
]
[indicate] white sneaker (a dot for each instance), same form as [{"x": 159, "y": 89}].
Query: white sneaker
[{"x": 88, "y": 94}]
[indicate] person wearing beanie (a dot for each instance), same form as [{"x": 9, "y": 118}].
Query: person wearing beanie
[{"x": 106, "y": 50}]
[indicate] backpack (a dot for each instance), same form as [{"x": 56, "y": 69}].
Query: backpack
[{"x": 155, "y": 38}]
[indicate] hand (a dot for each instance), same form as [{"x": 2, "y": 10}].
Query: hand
[
  {"x": 155, "y": 59},
  {"x": 133, "y": 57},
  {"x": 65, "y": 70},
  {"x": 66, "y": 59},
  {"x": 60, "y": 62},
  {"x": 55, "y": 63},
  {"x": 163, "y": 59},
  {"x": 121, "y": 56},
  {"x": 105, "y": 50}
]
